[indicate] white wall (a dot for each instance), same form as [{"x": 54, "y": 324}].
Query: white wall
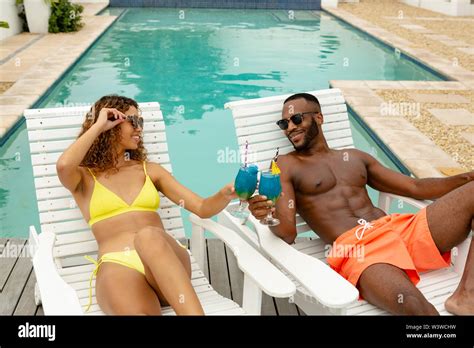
[
  {"x": 329, "y": 3},
  {"x": 90, "y": 1},
  {"x": 451, "y": 8},
  {"x": 334, "y": 3},
  {"x": 9, "y": 13}
]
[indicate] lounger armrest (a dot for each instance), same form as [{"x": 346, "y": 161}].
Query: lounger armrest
[
  {"x": 57, "y": 297},
  {"x": 252, "y": 263},
  {"x": 323, "y": 283},
  {"x": 385, "y": 199}
]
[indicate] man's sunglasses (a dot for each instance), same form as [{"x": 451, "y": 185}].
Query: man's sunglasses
[
  {"x": 296, "y": 119},
  {"x": 136, "y": 121}
]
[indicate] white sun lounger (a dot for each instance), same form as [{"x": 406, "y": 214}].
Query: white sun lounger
[
  {"x": 320, "y": 290},
  {"x": 61, "y": 271}
]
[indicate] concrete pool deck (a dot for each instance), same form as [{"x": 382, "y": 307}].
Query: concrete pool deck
[
  {"x": 428, "y": 125},
  {"x": 31, "y": 63}
]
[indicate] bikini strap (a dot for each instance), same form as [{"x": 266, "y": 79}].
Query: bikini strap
[
  {"x": 144, "y": 168},
  {"x": 93, "y": 274},
  {"x": 90, "y": 171}
]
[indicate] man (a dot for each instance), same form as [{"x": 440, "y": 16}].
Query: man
[{"x": 328, "y": 189}]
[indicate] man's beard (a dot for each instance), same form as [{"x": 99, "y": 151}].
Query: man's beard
[{"x": 309, "y": 135}]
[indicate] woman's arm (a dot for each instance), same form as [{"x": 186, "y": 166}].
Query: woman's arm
[
  {"x": 68, "y": 163},
  {"x": 181, "y": 195}
]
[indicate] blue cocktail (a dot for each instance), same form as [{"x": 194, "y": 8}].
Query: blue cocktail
[
  {"x": 270, "y": 187},
  {"x": 245, "y": 186}
]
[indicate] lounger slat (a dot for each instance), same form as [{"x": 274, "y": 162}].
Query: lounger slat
[
  {"x": 278, "y": 99},
  {"x": 255, "y": 111},
  {"x": 50, "y": 169},
  {"x": 44, "y": 184},
  {"x": 331, "y": 137},
  {"x": 61, "y": 145},
  {"x": 75, "y": 249},
  {"x": 71, "y": 238},
  {"x": 331, "y": 114},
  {"x": 76, "y": 121},
  {"x": 72, "y": 133},
  {"x": 72, "y": 214},
  {"x": 81, "y": 225},
  {"x": 44, "y": 113},
  {"x": 430, "y": 282},
  {"x": 69, "y": 203},
  {"x": 339, "y": 121},
  {"x": 52, "y": 158},
  {"x": 76, "y": 118},
  {"x": 53, "y": 181},
  {"x": 60, "y": 215},
  {"x": 75, "y": 270},
  {"x": 272, "y": 132},
  {"x": 65, "y": 226},
  {"x": 52, "y": 193}
]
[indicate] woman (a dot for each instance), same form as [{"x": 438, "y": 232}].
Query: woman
[{"x": 140, "y": 266}]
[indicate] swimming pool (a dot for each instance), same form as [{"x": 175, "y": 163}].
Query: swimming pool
[{"x": 193, "y": 61}]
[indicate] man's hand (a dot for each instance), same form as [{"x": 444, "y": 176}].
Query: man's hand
[{"x": 259, "y": 206}]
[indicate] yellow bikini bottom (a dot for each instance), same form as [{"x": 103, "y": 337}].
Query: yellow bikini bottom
[{"x": 127, "y": 258}]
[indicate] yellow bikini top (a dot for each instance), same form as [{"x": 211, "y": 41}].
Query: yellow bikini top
[{"x": 105, "y": 204}]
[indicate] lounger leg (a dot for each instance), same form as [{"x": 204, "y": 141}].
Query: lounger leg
[
  {"x": 252, "y": 298},
  {"x": 198, "y": 245}
]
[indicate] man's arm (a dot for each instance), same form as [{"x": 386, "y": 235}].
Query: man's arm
[
  {"x": 387, "y": 180},
  {"x": 285, "y": 208}
]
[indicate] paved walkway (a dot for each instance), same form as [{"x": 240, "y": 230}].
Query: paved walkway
[{"x": 33, "y": 62}]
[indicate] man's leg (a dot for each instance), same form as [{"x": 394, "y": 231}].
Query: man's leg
[
  {"x": 450, "y": 219},
  {"x": 388, "y": 287}
]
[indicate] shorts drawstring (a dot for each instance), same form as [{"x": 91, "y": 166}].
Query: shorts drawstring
[{"x": 364, "y": 226}]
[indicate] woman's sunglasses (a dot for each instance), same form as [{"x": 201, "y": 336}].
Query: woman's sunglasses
[
  {"x": 296, "y": 119},
  {"x": 136, "y": 121}
]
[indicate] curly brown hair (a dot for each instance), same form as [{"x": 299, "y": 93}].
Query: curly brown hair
[{"x": 102, "y": 155}]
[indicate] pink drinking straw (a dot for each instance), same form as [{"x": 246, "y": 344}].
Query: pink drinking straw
[{"x": 246, "y": 151}]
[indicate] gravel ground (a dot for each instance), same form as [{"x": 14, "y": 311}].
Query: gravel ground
[{"x": 447, "y": 137}]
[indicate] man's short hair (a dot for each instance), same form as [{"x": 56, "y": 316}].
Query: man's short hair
[{"x": 306, "y": 96}]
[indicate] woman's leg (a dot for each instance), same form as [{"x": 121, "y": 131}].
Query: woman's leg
[
  {"x": 169, "y": 271},
  {"x": 124, "y": 291},
  {"x": 183, "y": 256}
]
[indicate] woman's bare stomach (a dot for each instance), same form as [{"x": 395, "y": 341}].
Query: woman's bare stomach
[{"x": 118, "y": 233}]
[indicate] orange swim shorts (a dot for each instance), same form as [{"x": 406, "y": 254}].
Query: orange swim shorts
[{"x": 402, "y": 240}]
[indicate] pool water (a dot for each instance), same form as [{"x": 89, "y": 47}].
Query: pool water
[{"x": 194, "y": 61}]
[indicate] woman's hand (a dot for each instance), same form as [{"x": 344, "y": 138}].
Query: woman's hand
[
  {"x": 109, "y": 118},
  {"x": 228, "y": 191}
]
